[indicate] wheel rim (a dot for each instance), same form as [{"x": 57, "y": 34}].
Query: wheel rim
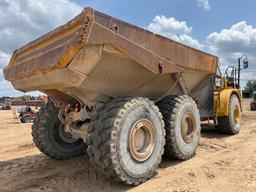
[
  {"x": 142, "y": 140},
  {"x": 28, "y": 119},
  {"x": 236, "y": 114},
  {"x": 65, "y": 136},
  {"x": 188, "y": 127}
]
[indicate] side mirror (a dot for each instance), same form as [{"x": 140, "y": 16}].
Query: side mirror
[
  {"x": 218, "y": 81},
  {"x": 246, "y": 63}
]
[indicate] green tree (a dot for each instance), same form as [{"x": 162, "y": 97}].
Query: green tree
[{"x": 249, "y": 87}]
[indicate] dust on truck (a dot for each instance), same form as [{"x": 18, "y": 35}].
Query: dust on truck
[{"x": 122, "y": 93}]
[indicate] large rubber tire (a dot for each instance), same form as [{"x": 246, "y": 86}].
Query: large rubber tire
[
  {"x": 229, "y": 125},
  {"x": 22, "y": 120},
  {"x": 46, "y": 135},
  {"x": 108, "y": 142},
  {"x": 173, "y": 110},
  {"x": 253, "y": 106},
  {"x": 27, "y": 119}
]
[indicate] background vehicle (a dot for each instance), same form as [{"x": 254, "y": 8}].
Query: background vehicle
[
  {"x": 253, "y": 103},
  {"x": 27, "y": 115},
  {"x": 127, "y": 93},
  {"x": 6, "y": 106}
]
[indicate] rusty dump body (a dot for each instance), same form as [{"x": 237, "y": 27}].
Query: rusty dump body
[{"x": 95, "y": 57}]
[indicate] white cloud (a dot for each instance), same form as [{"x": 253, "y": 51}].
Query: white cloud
[
  {"x": 204, "y": 4},
  {"x": 23, "y": 21},
  {"x": 173, "y": 29},
  {"x": 230, "y": 44},
  {"x": 5, "y": 86},
  {"x": 4, "y": 58},
  {"x": 169, "y": 26},
  {"x": 239, "y": 38}
]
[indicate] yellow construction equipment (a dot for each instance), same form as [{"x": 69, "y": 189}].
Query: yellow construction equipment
[
  {"x": 127, "y": 93},
  {"x": 228, "y": 98}
]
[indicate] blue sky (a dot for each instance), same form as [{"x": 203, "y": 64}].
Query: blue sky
[
  {"x": 222, "y": 13},
  {"x": 225, "y": 28}
]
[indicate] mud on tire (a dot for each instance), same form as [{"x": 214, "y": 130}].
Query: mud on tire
[
  {"x": 109, "y": 139},
  {"x": 174, "y": 108},
  {"x": 46, "y": 135},
  {"x": 231, "y": 124}
]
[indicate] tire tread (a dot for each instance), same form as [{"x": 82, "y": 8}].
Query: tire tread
[
  {"x": 39, "y": 135},
  {"x": 169, "y": 107},
  {"x": 102, "y": 148}
]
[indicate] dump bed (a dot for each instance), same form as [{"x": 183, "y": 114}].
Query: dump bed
[{"x": 95, "y": 56}]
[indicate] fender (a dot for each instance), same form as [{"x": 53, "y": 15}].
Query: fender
[
  {"x": 23, "y": 116},
  {"x": 222, "y": 109}
]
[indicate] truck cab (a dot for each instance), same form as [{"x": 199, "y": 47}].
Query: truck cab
[{"x": 228, "y": 98}]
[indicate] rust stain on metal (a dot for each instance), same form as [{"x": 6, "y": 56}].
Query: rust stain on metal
[
  {"x": 92, "y": 44},
  {"x": 57, "y": 48}
]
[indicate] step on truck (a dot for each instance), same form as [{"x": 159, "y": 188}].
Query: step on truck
[{"x": 124, "y": 95}]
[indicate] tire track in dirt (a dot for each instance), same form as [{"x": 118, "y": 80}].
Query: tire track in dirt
[{"x": 39, "y": 172}]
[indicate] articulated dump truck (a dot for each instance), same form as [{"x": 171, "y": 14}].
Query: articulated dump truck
[{"x": 124, "y": 95}]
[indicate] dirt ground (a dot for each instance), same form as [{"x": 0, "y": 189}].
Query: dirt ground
[{"x": 222, "y": 163}]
